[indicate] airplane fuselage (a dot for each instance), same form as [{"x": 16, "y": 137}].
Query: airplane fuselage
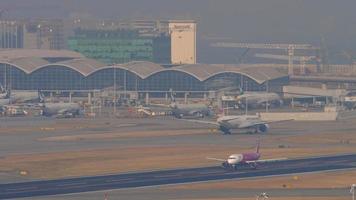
[
  {"x": 227, "y": 123},
  {"x": 256, "y": 99},
  {"x": 190, "y": 110},
  {"x": 51, "y": 109},
  {"x": 4, "y": 102},
  {"x": 235, "y": 160}
]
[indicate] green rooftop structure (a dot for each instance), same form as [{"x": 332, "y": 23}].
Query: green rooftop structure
[{"x": 120, "y": 46}]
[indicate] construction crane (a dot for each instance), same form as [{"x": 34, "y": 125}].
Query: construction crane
[
  {"x": 290, "y": 48},
  {"x": 302, "y": 59}
]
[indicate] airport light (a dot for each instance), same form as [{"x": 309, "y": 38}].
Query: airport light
[
  {"x": 263, "y": 195},
  {"x": 352, "y": 191}
]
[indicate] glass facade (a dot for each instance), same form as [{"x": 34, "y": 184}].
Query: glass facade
[
  {"x": 119, "y": 46},
  {"x": 64, "y": 78}
]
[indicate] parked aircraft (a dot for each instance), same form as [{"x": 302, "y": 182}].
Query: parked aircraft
[
  {"x": 65, "y": 110},
  {"x": 19, "y": 96},
  {"x": 252, "y": 159},
  {"x": 3, "y": 93},
  {"x": 189, "y": 110},
  {"x": 258, "y": 99},
  {"x": 4, "y": 102},
  {"x": 230, "y": 122}
]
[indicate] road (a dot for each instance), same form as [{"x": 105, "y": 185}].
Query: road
[{"x": 133, "y": 180}]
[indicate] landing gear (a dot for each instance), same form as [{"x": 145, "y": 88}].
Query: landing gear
[
  {"x": 199, "y": 115},
  {"x": 227, "y": 166},
  {"x": 225, "y": 130},
  {"x": 253, "y": 165}
]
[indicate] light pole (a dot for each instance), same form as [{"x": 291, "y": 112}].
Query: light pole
[
  {"x": 246, "y": 105},
  {"x": 38, "y": 36},
  {"x": 246, "y": 99},
  {"x": 115, "y": 92},
  {"x": 267, "y": 89}
]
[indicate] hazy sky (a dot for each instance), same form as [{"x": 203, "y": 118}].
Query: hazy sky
[{"x": 242, "y": 20}]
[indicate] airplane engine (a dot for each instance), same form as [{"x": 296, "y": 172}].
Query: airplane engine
[
  {"x": 225, "y": 165},
  {"x": 263, "y": 128}
]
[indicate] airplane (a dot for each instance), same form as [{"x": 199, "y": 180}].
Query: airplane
[
  {"x": 4, "y": 102},
  {"x": 3, "y": 93},
  {"x": 251, "y": 159},
  {"x": 226, "y": 123},
  {"x": 192, "y": 110},
  {"x": 258, "y": 99},
  {"x": 65, "y": 110},
  {"x": 19, "y": 96},
  {"x": 25, "y": 96}
]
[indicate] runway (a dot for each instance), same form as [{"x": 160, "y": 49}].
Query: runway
[{"x": 133, "y": 180}]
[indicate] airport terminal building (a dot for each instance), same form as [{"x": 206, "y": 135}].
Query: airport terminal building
[{"x": 51, "y": 70}]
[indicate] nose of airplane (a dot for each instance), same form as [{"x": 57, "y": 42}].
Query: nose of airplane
[
  {"x": 231, "y": 161},
  {"x": 234, "y": 159}
]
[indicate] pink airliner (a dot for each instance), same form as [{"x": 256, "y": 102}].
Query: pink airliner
[{"x": 250, "y": 158}]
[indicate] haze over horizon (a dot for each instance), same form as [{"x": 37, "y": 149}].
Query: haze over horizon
[{"x": 298, "y": 21}]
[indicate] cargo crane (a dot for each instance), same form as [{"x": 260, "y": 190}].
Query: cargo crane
[
  {"x": 290, "y": 48},
  {"x": 302, "y": 59}
]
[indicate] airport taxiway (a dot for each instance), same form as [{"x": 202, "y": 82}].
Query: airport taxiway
[
  {"x": 154, "y": 178},
  {"x": 49, "y": 148}
]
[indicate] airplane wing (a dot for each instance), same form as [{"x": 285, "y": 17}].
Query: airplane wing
[
  {"x": 201, "y": 121},
  {"x": 261, "y": 101},
  {"x": 217, "y": 159},
  {"x": 252, "y": 124},
  {"x": 249, "y": 124},
  {"x": 63, "y": 111},
  {"x": 160, "y": 105},
  {"x": 194, "y": 112},
  {"x": 279, "y": 121},
  {"x": 267, "y": 160}
]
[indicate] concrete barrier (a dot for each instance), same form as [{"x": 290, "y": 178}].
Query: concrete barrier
[
  {"x": 300, "y": 116},
  {"x": 309, "y": 116},
  {"x": 347, "y": 114}
]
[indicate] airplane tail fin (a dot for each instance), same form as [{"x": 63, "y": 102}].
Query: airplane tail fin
[
  {"x": 2, "y": 89},
  {"x": 41, "y": 96},
  {"x": 8, "y": 93},
  {"x": 172, "y": 95},
  {"x": 241, "y": 91}
]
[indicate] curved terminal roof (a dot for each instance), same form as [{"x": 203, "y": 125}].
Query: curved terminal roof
[
  {"x": 85, "y": 66},
  {"x": 205, "y": 71},
  {"x": 28, "y": 65},
  {"x": 10, "y": 54},
  {"x": 143, "y": 69}
]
